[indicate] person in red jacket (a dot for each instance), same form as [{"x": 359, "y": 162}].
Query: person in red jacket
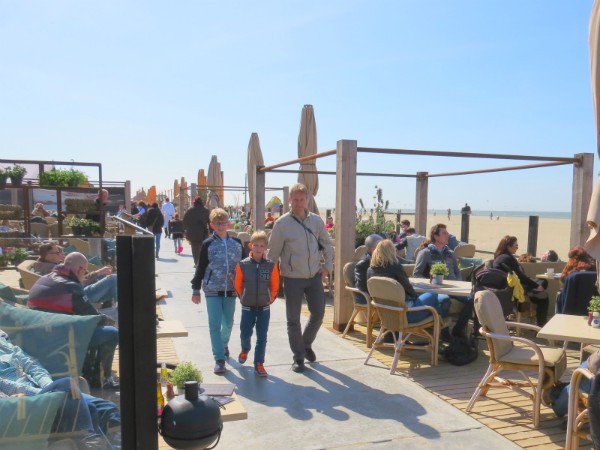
[{"x": 256, "y": 284}]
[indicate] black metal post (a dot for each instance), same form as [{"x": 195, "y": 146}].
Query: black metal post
[
  {"x": 464, "y": 228},
  {"x": 137, "y": 341},
  {"x": 533, "y": 235}
]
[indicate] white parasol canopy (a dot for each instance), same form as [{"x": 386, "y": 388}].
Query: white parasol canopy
[{"x": 307, "y": 146}]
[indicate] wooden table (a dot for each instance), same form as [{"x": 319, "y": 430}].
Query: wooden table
[
  {"x": 170, "y": 328},
  {"x": 569, "y": 328},
  {"x": 230, "y": 412},
  {"x": 449, "y": 287}
]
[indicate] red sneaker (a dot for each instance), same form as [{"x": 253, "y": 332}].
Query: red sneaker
[
  {"x": 243, "y": 356},
  {"x": 180, "y": 249},
  {"x": 260, "y": 370}
]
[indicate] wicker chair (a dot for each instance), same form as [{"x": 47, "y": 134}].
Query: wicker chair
[{"x": 358, "y": 307}]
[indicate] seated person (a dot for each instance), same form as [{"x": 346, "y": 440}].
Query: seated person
[
  {"x": 558, "y": 397},
  {"x": 526, "y": 258},
  {"x": 329, "y": 223},
  {"x": 438, "y": 251},
  {"x": 99, "y": 286},
  {"x": 62, "y": 291},
  {"x": 579, "y": 261},
  {"x": 87, "y": 418},
  {"x": 39, "y": 213},
  {"x": 385, "y": 263},
  {"x": 269, "y": 218},
  {"x": 405, "y": 225},
  {"x": 362, "y": 266},
  {"x": 550, "y": 256},
  {"x": 504, "y": 259}
]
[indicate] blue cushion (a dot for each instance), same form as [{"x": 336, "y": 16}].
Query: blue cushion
[
  {"x": 27, "y": 421},
  {"x": 466, "y": 262},
  {"x": 45, "y": 336}
]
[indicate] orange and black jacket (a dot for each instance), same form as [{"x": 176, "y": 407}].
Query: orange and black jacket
[{"x": 256, "y": 282}]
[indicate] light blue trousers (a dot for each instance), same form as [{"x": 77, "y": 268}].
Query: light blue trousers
[{"x": 220, "y": 322}]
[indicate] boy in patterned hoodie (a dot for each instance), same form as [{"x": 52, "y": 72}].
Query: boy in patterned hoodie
[
  {"x": 215, "y": 273},
  {"x": 256, "y": 283}
]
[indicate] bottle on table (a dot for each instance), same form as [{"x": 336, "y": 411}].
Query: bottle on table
[{"x": 160, "y": 400}]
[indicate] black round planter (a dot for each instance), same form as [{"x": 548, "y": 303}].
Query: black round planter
[{"x": 16, "y": 181}]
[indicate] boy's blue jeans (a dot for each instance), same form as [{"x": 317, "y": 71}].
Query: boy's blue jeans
[
  {"x": 260, "y": 317},
  {"x": 220, "y": 322}
]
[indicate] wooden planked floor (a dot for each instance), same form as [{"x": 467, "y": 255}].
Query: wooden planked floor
[{"x": 503, "y": 410}]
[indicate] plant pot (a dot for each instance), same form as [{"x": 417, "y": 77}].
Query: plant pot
[
  {"x": 16, "y": 181},
  {"x": 438, "y": 279},
  {"x": 77, "y": 230},
  {"x": 3, "y": 179}
]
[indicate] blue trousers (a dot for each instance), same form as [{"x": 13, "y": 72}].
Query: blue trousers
[
  {"x": 259, "y": 317},
  {"x": 104, "y": 342},
  {"x": 440, "y": 302},
  {"x": 220, "y": 322},
  {"x": 88, "y": 415},
  {"x": 102, "y": 290},
  {"x": 157, "y": 237},
  {"x": 560, "y": 405}
]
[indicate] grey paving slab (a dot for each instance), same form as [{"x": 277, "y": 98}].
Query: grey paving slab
[{"x": 338, "y": 403}]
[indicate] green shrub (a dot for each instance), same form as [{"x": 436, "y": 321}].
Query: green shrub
[
  {"x": 185, "y": 371},
  {"x": 62, "y": 177}
]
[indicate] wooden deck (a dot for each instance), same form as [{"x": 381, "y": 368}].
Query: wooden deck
[{"x": 504, "y": 411}]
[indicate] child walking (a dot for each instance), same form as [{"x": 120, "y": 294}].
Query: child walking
[
  {"x": 256, "y": 283},
  {"x": 176, "y": 230},
  {"x": 215, "y": 273}
]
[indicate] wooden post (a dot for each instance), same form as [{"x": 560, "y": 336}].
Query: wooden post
[
  {"x": 258, "y": 212},
  {"x": 193, "y": 191},
  {"x": 286, "y": 199},
  {"x": 421, "y": 204},
  {"x": 464, "y": 227},
  {"x": 345, "y": 231},
  {"x": 582, "y": 192},
  {"x": 532, "y": 235}
]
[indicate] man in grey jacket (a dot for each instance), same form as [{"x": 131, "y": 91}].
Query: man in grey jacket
[{"x": 297, "y": 240}]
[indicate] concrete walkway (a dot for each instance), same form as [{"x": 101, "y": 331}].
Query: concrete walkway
[{"x": 338, "y": 402}]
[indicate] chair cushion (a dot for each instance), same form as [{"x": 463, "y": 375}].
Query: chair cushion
[
  {"x": 526, "y": 355},
  {"x": 6, "y": 293},
  {"x": 30, "y": 432},
  {"x": 490, "y": 315},
  {"x": 45, "y": 336},
  {"x": 466, "y": 262}
]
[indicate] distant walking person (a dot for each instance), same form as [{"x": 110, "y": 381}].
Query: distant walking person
[
  {"x": 176, "y": 227},
  {"x": 195, "y": 224},
  {"x": 168, "y": 211},
  {"x": 155, "y": 222},
  {"x": 491, "y": 215},
  {"x": 297, "y": 240},
  {"x": 449, "y": 213}
]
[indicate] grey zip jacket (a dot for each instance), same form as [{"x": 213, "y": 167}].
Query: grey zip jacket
[{"x": 297, "y": 249}]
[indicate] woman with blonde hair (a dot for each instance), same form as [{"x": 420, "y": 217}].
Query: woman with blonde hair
[{"x": 385, "y": 263}]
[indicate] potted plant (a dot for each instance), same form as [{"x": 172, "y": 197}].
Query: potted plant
[
  {"x": 185, "y": 371},
  {"x": 594, "y": 306},
  {"x": 5, "y": 258},
  {"x": 62, "y": 177},
  {"x": 16, "y": 174},
  {"x": 19, "y": 255},
  {"x": 438, "y": 271}
]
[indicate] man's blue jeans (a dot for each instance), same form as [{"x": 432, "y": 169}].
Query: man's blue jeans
[
  {"x": 560, "y": 405},
  {"x": 88, "y": 414},
  {"x": 220, "y": 322},
  {"x": 102, "y": 290},
  {"x": 440, "y": 302},
  {"x": 157, "y": 237},
  {"x": 104, "y": 342},
  {"x": 260, "y": 317}
]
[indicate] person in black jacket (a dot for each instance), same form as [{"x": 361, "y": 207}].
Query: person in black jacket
[
  {"x": 385, "y": 263},
  {"x": 362, "y": 266},
  {"x": 154, "y": 222},
  {"x": 504, "y": 259},
  {"x": 195, "y": 223}
]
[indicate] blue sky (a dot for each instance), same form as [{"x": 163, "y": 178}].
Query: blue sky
[{"x": 153, "y": 89}]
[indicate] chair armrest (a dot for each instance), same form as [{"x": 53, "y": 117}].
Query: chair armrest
[
  {"x": 527, "y": 326},
  {"x": 358, "y": 291},
  {"x": 524, "y": 341}
]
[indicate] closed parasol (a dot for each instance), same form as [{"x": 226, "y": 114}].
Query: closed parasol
[
  {"x": 213, "y": 180},
  {"x": 255, "y": 158},
  {"x": 307, "y": 146}
]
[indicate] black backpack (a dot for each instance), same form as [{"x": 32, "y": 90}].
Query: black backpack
[
  {"x": 461, "y": 351},
  {"x": 493, "y": 280}
]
